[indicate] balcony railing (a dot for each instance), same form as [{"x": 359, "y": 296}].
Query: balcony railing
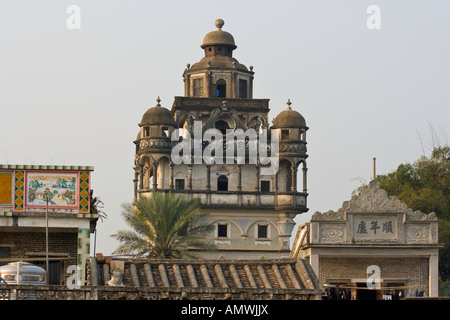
[{"x": 269, "y": 200}]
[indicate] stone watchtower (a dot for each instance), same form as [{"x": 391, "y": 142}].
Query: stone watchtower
[{"x": 252, "y": 208}]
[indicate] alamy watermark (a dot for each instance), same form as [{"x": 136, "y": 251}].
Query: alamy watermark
[
  {"x": 73, "y": 21},
  {"x": 74, "y": 280},
  {"x": 374, "y": 20},
  {"x": 211, "y": 148},
  {"x": 373, "y": 277}
]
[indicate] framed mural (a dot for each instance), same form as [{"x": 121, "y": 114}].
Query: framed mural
[
  {"x": 61, "y": 189},
  {"x": 6, "y": 187}
]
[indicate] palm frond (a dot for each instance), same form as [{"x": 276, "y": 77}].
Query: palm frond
[{"x": 164, "y": 226}]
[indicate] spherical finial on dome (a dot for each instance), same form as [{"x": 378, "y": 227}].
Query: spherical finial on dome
[
  {"x": 219, "y": 23},
  {"x": 289, "y": 104}
]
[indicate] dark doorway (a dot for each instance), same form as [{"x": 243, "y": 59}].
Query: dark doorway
[
  {"x": 221, "y": 88},
  {"x": 222, "y": 183},
  {"x": 365, "y": 293},
  {"x": 54, "y": 271}
]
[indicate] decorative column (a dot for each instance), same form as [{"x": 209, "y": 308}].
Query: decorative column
[
  {"x": 141, "y": 177},
  {"x": 208, "y": 177},
  {"x": 433, "y": 281},
  {"x": 250, "y": 85},
  {"x": 257, "y": 177},
  {"x": 187, "y": 86},
  {"x": 305, "y": 170},
  {"x": 171, "y": 175},
  {"x": 155, "y": 176},
  {"x": 294, "y": 178},
  {"x": 233, "y": 84},
  {"x": 135, "y": 182},
  {"x": 239, "y": 186},
  {"x": 207, "y": 85},
  {"x": 258, "y": 195},
  {"x": 190, "y": 177},
  {"x": 208, "y": 184},
  {"x": 275, "y": 187}
]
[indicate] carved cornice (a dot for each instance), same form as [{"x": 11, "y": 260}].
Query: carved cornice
[
  {"x": 293, "y": 146},
  {"x": 329, "y": 215},
  {"x": 152, "y": 144},
  {"x": 373, "y": 199}
]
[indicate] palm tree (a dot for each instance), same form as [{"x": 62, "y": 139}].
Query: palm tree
[{"x": 165, "y": 226}]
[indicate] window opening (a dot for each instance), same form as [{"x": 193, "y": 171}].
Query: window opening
[
  {"x": 222, "y": 231},
  {"x": 179, "y": 184},
  {"x": 198, "y": 87},
  {"x": 221, "y": 88},
  {"x": 222, "y": 183},
  {"x": 242, "y": 88},
  {"x": 262, "y": 232},
  {"x": 265, "y": 186},
  {"x": 222, "y": 126}
]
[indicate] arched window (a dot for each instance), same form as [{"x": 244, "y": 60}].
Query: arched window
[
  {"x": 222, "y": 183},
  {"x": 222, "y": 126},
  {"x": 221, "y": 88},
  {"x": 288, "y": 179},
  {"x": 285, "y": 176},
  {"x": 198, "y": 87},
  {"x": 242, "y": 88}
]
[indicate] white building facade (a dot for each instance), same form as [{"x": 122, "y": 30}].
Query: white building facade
[{"x": 373, "y": 242}]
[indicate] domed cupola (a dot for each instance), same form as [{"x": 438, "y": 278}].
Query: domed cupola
[
  {"x": 290, "y": 127},
  {"x": 157, "y": 122},
  {"x": 153, "y": 147},
  {"x": 157, "y": 116},
  {"x": 289, "y": 119},
  {"x": 218, "y": 74},
  {"x": 218, "y": 42}
]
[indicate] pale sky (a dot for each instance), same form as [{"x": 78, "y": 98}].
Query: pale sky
[{"x": 75, "y": 97}]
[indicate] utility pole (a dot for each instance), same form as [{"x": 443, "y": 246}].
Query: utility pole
[
  {"x": 46, "y": 234},
  {"x": 374, "y": 169}
]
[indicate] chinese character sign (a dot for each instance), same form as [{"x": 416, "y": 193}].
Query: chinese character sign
[{"x": 374, "y": 227}]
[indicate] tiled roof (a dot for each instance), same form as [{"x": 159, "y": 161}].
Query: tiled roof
[{"x": 215, "y": 279}]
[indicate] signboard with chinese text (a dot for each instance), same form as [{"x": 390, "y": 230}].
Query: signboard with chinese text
[{"x": 374, "y": 227}]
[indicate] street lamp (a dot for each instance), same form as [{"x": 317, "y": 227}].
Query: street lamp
[{"x": 46, "y": 195}]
